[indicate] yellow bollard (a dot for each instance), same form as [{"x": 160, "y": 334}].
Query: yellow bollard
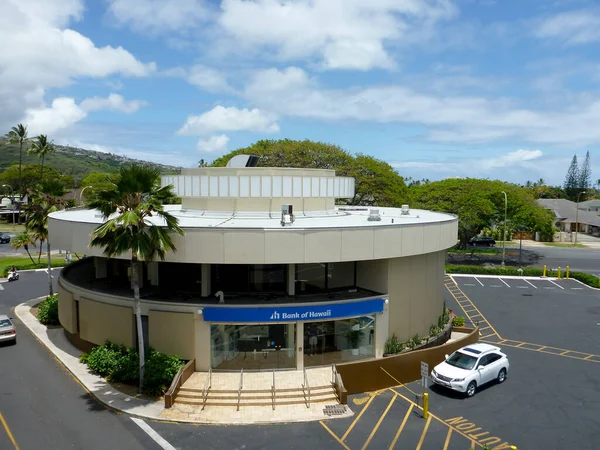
[
  {"x": 544, "y": 273},
  {"x": 559, "y": 272},
  {"x": 567, "y": 273},
  {"x": 425, "y": 405},
  {"x": 513, "y": 447}
]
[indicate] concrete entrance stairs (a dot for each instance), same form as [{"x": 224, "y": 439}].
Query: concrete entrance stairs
[{"x": 258, "y": 389}]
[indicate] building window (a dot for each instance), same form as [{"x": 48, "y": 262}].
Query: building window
[
  {"x": 245, "y": 278},
  {"x": 341, "y": 275},
  {"x": 324, "y": 277}
]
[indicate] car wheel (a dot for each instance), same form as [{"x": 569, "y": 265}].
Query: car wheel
[
  {"x": 471, "y": 388},
  {"x": 501, "y": 376}
]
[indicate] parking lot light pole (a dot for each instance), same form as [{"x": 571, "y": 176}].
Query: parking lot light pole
[
  {"x": 504, "y": 231},
  {"x": 81, "y": 194},
  {"x": 12, "y": 203},
  {"x": 577, "y": 219}
]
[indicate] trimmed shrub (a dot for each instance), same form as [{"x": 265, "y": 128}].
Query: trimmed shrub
[
  {"x": 590, "y": 280},
  {"x": 48, "y": 311},
  {"x": 458, "y": 321},
  {"x": 121, "y": 364},
  {"x": 393, "y": 345}
]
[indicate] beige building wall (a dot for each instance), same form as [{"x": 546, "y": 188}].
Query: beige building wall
[
  {"x": 101, "y": 321},
  {"x": 415, "y": 293},
  {"x": 203, "y": 343},
  {"x": 373, "y": 275},
  {"x": 66, "y": 310},
  {"x": 172, "y": 333}
]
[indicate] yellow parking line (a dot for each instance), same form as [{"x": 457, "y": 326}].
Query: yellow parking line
[
  {"x": 379, "y": 422},
  {"x": 334, "y": 435},
  {"x": 362, "y": 411},
  {"x": 10, "y": 435},
  {"x": 469, "y": 300},
  {"x": 401, "y": 426},
  {"x": 448, "y": 439},
  {"x": 424, "y": 433},
  {"x": 564, "y": 353},
  {"x": 588, "y": 357}
]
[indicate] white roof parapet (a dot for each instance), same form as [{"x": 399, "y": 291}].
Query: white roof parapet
[{"x": 260, "y": 186}]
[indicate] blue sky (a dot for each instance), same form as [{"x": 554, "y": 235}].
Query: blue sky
[{"x": 438, "y": 88}]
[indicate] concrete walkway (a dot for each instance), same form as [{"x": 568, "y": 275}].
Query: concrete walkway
[{"x": 56, "y": 342}]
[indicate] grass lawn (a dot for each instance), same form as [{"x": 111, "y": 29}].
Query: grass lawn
[
  {"x": 563, "y": 244},
  {"x": 8, "y": 228},
  {"x": 22, "y": 261}
]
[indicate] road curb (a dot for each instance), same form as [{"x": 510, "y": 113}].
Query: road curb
[{"x": 98, "y": 388}]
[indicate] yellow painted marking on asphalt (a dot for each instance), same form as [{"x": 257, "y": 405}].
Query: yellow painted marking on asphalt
[
  {"x": 588, "y": 357},
  {"x": 401, "y": 426},
  {"x": 484, "y": 328},
  {"x": 447, "y": 439},
  {"x": 522, "y": 343},
  {"x": 378, "y": 424},
  {"x": 334, "y": 436},
  {"x": 8, "y": 432},
  {"x": 564, "y": 353},
  {"x": 362, "y": 411},
  {"x": 473, "y": 305},
  {"x": 424, "y": 433}
]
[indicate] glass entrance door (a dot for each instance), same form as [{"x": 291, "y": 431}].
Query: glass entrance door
[{"x": 253, "y": 347}]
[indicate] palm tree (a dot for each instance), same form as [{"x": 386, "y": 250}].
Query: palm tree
[
  {"x": 46, "y": 199},
  {"x": 41, "y": 147},
  {"x": 136, "y": 223},
  {"x": 18, "y": 135},
  {"x": 23, "y": 240}
]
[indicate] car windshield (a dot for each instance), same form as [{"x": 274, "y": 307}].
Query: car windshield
[
  {"x": 5, "y": 323},
  {"x": 461, "y": 360}
]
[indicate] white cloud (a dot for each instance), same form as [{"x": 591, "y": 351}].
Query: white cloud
[
  {"x": 43, "y": 54},
  {"x": 206, "y": 78},
  {"x": 158, "y": 16},
  {"x": 344, "y": 34},
  {"x": 213, "y": 144},
  {"x": 47, "y": 120},
  {"x": 457, "y": 118},
  {"x": 64, "y": 112},
  {"x": 229, "y": 119},
  {"x": 113, "y": 102},
  {"x": 572, "y": 27}
]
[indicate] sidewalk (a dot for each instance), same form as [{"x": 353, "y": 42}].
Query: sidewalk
[{"x": 56, "y": 342}]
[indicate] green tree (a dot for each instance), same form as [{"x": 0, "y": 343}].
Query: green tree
[
  {"x": 42, "y": 148},
  {"x": 23, "y": 240},
  {"x": 46, "y": 199},
  {"x": 97, "y": 182},
  {"x": 585, "y": 174},
  {"x": 390, "y": 191},
  {"x": 572, "y": 180},
  {"x": 30, "y": 176},
  {"x": 18, "y": 135},
  {"x": 141, "y": 227},
  {"x": 203, "y": 163},
  {"x": 479, "y": 204}
]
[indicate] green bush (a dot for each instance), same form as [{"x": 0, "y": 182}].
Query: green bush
[
  {"x": 48, "y": 311},
  {"x": 121, "y": 364},
  {"x": 458, "y": 321},
  {"x": 393, "y": 345},
  {"x": 586, "y": 278},
  {"x": 434, "y": 329},
  {"x": 159, "y": 373}
]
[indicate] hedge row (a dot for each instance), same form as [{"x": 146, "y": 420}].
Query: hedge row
[
  {"x": 586, "y": 278},
  {"x": 29, "y": 266},
  {"x": 121, "y": 364},
  {"x": 48, "y": 310}
]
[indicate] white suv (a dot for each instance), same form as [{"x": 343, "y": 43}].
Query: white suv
[{"x": 470, "y": 367}]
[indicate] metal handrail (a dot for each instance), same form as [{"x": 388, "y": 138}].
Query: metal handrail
[
  {"x": 333, "y": 373},
  {"x": 306, "y": 387},
  {"x": 207, "y": 386},
  {"x": 273, "y": 390},
  {"x": 240, "y": 388}
]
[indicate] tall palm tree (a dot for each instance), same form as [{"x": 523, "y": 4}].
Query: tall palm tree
[
  {"x": 136, "y": 223},
  {"x": 23, "y": 240},
  {"x": 18, "y": 135},
  {"x": 47, "y": 198},
  {"x": 41, "y": 147}
]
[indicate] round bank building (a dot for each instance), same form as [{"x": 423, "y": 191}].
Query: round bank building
[{"x": 269, "y": 274}]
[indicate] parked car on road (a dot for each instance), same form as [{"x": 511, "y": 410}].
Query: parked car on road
[
  {"x": 481, "y": 240},
  {"x": 4, "y": 238},
  {"x": 471, "y": 367},
  {"x": 8, "y": 331}
]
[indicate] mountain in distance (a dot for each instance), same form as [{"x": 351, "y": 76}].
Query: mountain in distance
[{"x": 76, "y": 162}]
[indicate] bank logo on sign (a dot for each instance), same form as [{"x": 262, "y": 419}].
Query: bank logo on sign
[{"x": 275, "y": 316}]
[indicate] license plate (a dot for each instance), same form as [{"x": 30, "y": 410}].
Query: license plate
[{"x": 443, "y": 383}]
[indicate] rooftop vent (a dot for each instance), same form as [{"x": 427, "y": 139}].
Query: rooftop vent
[
  {"x": 243, "y": 161},
  {"x": 405, "y": 210},
  {"x": 374, "y": 215},
  {"x": 287, "y": 215}
]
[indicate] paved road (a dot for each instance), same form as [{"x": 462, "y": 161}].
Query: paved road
[
  {"x": 40, "y": 402},
  {"x": 578, "y": 259}
]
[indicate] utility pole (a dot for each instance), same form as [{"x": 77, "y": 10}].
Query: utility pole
[{"x": 504, "y": 232}]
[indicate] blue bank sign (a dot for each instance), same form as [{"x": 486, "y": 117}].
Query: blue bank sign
[{"x": 327, "y": 311}]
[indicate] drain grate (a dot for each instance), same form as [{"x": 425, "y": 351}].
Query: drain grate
[{"x": 334, "y": 410}]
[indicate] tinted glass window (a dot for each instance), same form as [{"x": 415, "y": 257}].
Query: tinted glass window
[
  {"x": 494, "y": 357},
  {"x": 461, "y": 360},
  {"x": 5, "y": 323}
]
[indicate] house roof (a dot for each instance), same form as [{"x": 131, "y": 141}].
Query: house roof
[
  {"x": 590, "y": 203},
  {"x": 566, "y": 211}
]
